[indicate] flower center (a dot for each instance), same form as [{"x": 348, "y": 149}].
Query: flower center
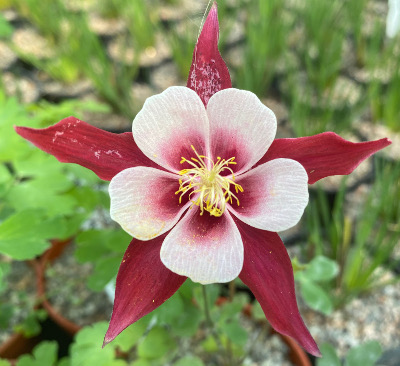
[{"x": 212, "y": 190}]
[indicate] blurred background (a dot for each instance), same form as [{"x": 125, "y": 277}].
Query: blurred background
[{"x": 320, "y": 65}]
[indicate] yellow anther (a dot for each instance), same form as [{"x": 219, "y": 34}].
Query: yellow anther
[{"x": 212, "y": 190}]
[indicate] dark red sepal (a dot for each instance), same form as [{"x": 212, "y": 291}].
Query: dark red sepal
[
  {"x": 324, "y": 154},
  {"x": 267, "y": 271},
  {"x": 75, "y": 141},
  {"x": 208, "y": 73},
  {"x": 143, "y": 284}
]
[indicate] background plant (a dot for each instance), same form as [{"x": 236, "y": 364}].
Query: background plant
[{"x": 296, "y": 53}]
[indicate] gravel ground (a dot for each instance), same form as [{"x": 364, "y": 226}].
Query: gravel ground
[
  {"x": 375, "y": 316},
  {"x": 68, "y": 293},
  {"x": 20, "y": 294}
]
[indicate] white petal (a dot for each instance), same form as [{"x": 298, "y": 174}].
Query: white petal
[
  {"x": 169, "y": 124},
  {"x": 144, "y": 203},
  {"x": 275, "y": 195},
  {"x": 205, "y": 248},
  {"x": 240, "y": 126},
  {"x": 393, "y": 18}
]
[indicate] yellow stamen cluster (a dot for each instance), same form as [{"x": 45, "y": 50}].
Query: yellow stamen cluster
[{"x": 212, "y": 191}]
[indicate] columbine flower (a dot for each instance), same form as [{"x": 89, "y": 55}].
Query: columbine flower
[
  {"x": 206, "y": 154},
  {"x": 203, "y": 188}
]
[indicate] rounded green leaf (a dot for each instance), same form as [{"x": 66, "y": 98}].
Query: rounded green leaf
[
  {"x": 315, "y": 297},
  {"x": 235, "y": 332},
  {"x": 87, "y": 347},
  {"x": 131, "y": 335},
  {"x": 321, "y": 269},
  {"x": 187, "y": 324},
  {"x": 366, "y": 354},
  {"x": 171, "y": 310},
  {"x": 329, "y": 356},
  {"x": 156, "y": 344},
  {"x": 45, "y": 354}
]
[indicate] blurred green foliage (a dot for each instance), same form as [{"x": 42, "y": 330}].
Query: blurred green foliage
[
  {"x": 295, "y": 52},
  {"x": 366, "y": 354}
]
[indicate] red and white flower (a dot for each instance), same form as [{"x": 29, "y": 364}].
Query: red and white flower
[
  {"x": 207, "y": 154},
  {"x": 203, "y": 187}
]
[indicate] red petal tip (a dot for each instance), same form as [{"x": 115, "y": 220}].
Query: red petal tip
[
  {"x": 105, "y": 342},
  {"x": 325, "y": 154},
  {"x": 208, "y": 73},
  {"x": 74, "y": 141}
]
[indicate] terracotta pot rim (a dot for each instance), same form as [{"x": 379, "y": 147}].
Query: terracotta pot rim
[{"x": 16, "y": 345}]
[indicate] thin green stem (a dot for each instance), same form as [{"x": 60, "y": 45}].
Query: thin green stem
[
  {"x": 211, "y": 327},
  {"x": 210, "y": 323}
]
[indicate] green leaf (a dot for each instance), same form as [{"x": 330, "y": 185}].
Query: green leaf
[
  {"x": 25, "y": 234},
  {"x": 118, "y": 240},
  {"x": 5, "y": 27},
  {"x": 26, "y": 196},
  {"x": 257, "y": 311},
  {"x": 72, "y": 225},
  {"x": 186, "y": 290},
  {"x": 187, "y": 324},
  {"x": 321, "y": 269},
  {"x": 94, "y": 244},
  {"x": 104, "y": 271},
  {"x": 213, "y": 292},
  {"x": 6, "y": 314},
  {"x": 210, "y": 345},
  {"x": 329, "y": 356},
  {"x": 91, "y": 245},
  {"x": 52, "y": 183},
  {"x": 366, "y": 354},
  {"x": 87, "y": 348},
  {"x": 5, "y": 268},
  {"x": 315, "y": 296},
  {"x": 4, "y": 363},
  {"x": 131, "y": 335},
  {"x": 88, "y": 198},
  {"x": 83, "y": 174},
  {"x": 235, "y": 332},
  {"x": 141, "y": 362},
  {"x": 241, "y": 298},
  {"x": 189, "y": 361},
  {"x": 64, "y": 362},
  {"x": 13, "y": 147},
  {"x": 5, "y": 175},
  {"x": 171, "y": 310},
  {"x": 228, "y": 311},
  {"x": 157, "y": 344},
  {"x": 103, "y": 247},
  {"x": 36, "y": 163},
  {"x": 30, "y": 326},
  {"x": 45, "y": 354}
]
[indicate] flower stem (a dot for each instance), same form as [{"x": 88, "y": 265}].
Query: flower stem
[{"x": 210, "y": 323}]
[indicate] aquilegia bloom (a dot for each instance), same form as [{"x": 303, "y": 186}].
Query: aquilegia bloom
[
  {"x": 203, "y": 187},
  {"x": 206, "y": 154}
]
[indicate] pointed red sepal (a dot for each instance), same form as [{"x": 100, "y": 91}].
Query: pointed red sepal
[
  {"x": 324, "y": 154},
  {"x": 143, "y": 284},
  {"x": 208, "y": 73},
  {"x": 267, "y": 271},
  {"x": 75, "y": 141}
]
